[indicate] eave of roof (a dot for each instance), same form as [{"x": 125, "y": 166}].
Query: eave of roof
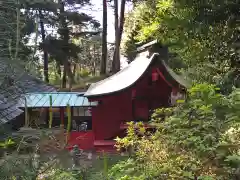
[{"x": 180, "y": 80}]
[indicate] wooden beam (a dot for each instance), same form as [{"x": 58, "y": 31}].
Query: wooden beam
[
  {"x": 26, "y": 113},
  {"x": 50, "y": 112},
  {"x": 69, "y": 122},
  {"x": 62, "y": 116}
]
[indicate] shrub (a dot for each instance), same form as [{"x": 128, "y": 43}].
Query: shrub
[{"x": 198, "y": 139}]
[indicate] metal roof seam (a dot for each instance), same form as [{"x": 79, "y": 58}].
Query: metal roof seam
[
  {"x": 60, "y": 103},
  {"x": 60, "y": 100},
  {"x": 39, "y": 99},
  {"x": 69, "y": 99},
  {"x": 76, "y": 100}
]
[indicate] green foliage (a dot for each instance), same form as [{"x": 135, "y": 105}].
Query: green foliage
[
  {"x": 199, "y": 138},
  {"x": 7, "y": 143},
  {"x": 16, "y": 166},
  {"x": 97, "y": 171},
  {"x": 63, "y": 48},
  {"x": 15, "y": 28},
  {"x": 105, "y": 166},
  {"x": 203, "y": 34},
  {"x": 84, "y": 73},
  {"x": 131, "y": 141},
  {"x": 125, "y": 170},
  {"x": 62, "y": 174}
]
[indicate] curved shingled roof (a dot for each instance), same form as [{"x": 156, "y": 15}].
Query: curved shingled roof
[
  {"x": 11, "y": 94},
  {"x": 128, "y": 76}
]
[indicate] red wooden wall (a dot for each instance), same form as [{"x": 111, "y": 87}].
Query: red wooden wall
[
  {"x": 107, "y": 117},
  {"x": 117, "y": 108}
]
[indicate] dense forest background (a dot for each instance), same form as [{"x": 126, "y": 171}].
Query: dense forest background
[
  {"x": 199, "y": 138},
  {"x": 53, "y": 40}
]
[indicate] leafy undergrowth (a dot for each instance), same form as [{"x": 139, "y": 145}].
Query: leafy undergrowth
[
  {"x": 52, "y": 165},
  {"x": 102, "y": 165},
  {"x": 199, "y": 139},
  {"x": 95, "y": 170}
]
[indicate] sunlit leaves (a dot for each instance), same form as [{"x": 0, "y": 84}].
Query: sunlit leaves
[{"x": 202, "y": 33}]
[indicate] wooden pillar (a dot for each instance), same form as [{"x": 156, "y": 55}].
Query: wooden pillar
[
  {"x": 71, "y": 111},
  {"x": 62, "y": 116},
  {"x": 69, "y": 122},
  {"x": 26, "y": 114},
  {"x": 47, "y": 116},
  {"x": 133, "y": 103},
  {"x": 149, "y": 108},
  {"x": 50, "y": 112}
]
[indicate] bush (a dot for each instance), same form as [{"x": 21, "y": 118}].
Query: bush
[{"x": 199, "y": 138}]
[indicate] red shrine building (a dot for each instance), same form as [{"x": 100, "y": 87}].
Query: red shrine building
[{"x": 132, "y": 94}]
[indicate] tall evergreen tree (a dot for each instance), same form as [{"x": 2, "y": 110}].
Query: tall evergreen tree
[
  {"x": 104, "y": 39},
  {"x": 42, "y": 11},
  {"x": 70, "y": 23}
]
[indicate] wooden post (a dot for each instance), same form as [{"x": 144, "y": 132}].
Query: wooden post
[
  {"x": 26, "y": 113},
  {"x": 62, "y": 117},
  {"x": 69, "y": 122},
  {"x": 71, "y": 111},
  {"x": 50, "y": 112}
]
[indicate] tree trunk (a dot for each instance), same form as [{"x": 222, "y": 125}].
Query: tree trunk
[
  {"x": 59, "y": 69},
  {"x": 94, "y": 62},
  {"x": 116, "y": 57},
  {"x": 70, "y": 75},
  {"x": 64, "y": 78},
  {"x": 45, "y": 54},
  {"x": 122, "y": 18},
  {"x": 118, "y": 35},
  {"x": 104, "y": 40},
  {"x": 65, "y": 37},
  {"x": 74, "y": 69}
]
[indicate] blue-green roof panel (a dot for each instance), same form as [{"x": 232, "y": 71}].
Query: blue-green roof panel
[
  {"x": 59, "y": 99},
  {"x": 65, "y": 100},
  {"x": 56, "y": 100},
  {"x": 34, "y": 99},
  {"x": 79, "y": 101},
  {"x": 74, "y": 101},
  {"x": 42, "y": 100}
]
